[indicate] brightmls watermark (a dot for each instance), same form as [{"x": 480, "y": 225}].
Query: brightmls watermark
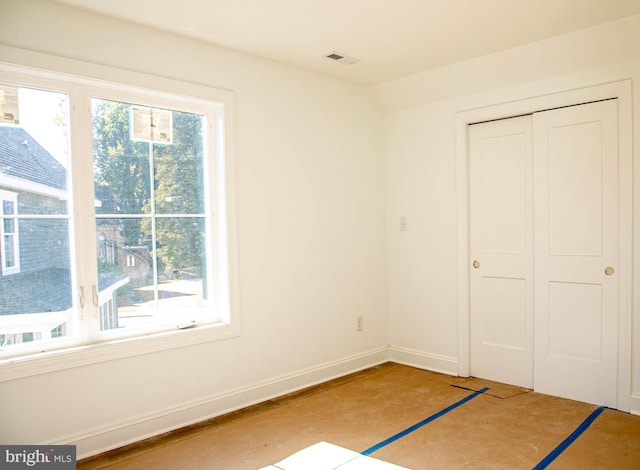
[{"x": 15, "y": 457}]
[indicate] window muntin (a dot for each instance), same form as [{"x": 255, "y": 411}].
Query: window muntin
[{"x": 87, "y": 323}]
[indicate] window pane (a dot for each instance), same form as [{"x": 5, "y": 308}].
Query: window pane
[
  {"x": 178, "y": 168},
  {"x": 44, "y": 282},
  {"x": 117, "y": 281},
  {"x": 140, "y": 287},
  {"x": 7, "y": 208},
  {"x": 9, "y": 252},
  {"x": 36, "y": 301},
  {"x": 150, "y": 216},
  {"x": 181, "y": 249},
  {"x": 121, "y": 165},
  {"x": 9, "y": 225}
]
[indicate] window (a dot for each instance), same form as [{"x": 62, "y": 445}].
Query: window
[
  {"x": 130, "y": 243},
  {"x": 149, "y": 190},
  {"x": 131, "y": 261},
  {"x": 9, "y": 252}
]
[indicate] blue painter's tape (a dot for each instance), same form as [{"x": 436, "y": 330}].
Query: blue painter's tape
[
  {"x": 544, "y": 463},
  {"x": 418, "y": 425}
]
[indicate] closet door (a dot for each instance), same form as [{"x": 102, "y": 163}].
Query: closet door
[
  {"x": 576, "y": 252},
  {"x": 501, "y": 248}
]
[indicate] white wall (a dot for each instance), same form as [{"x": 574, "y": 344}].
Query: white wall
[
  {"x": 311, "y": 229},
  {"x": 420, "y": 129},
  {"x": 313, "y": 234}
]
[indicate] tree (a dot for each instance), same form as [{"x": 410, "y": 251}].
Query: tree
[
  {"x": 124, "y": 166},
  {"x": 119, "y": 163},
  {"x": 179, "y": 189}
]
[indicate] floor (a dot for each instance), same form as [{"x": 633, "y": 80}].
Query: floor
[{"x": 502, "y": 428}]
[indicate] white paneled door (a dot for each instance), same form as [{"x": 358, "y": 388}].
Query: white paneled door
[
  {"x": 544, "y": 243},
  {"x": 576, "y": 252},
  {"x": 501, "y": 242}
]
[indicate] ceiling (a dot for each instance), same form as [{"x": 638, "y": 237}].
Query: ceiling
[{"x": 390, "y": 38}]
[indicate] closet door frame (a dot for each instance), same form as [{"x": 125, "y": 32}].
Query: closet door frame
[{"x": 622, "y": 90}]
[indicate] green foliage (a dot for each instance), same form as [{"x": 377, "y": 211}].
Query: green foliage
[
  {"x": 106, "y": 267},
  {"x": 120, "y": 163},
  {"x": 124, "y": 167}
]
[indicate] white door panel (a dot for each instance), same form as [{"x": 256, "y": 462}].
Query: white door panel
[
  {"x": 505, "y": 326},
  {"x": 501, "y": 243},
  {"x": 583, "y": 320},
  {"x": 576, "y": 239},
  {"x": 574, "y": 168}
]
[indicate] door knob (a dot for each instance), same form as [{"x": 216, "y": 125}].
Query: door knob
[
  {"x": 476, "y": 264},
  {"x": 609, "y": 270}
]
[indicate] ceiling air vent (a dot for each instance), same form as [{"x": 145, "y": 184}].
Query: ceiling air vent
[{"x": 343, "y": 59}]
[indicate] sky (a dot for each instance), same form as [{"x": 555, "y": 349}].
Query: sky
[{"x": 38, "y": 109}]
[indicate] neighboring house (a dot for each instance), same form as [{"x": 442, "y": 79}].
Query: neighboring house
[
  {"x": 111, "y": 246},
  {"x": 35, "y": 280},
  {"x": 118, "y": 263}
]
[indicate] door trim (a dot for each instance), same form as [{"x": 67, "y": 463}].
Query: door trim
[{"x": 620, "y": 90}]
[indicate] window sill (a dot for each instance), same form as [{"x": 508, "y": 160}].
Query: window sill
[{"x": 42, "y": 363}]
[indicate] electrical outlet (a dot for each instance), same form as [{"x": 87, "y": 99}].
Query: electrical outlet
[{"x": 359, "y": 323}]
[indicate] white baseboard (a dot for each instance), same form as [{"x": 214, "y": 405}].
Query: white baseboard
[
  {"x": 634, "y": 409},
  {"x": 433, "y": 362},
  {"x": 98, "y": 440},
  {"x": 102, "y": 439}
]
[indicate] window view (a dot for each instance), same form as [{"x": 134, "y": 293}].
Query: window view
[
  {"x": 36, "y": 275},
  {"x": 150, "y": 215},
  {"x": 154, "y": 265}
]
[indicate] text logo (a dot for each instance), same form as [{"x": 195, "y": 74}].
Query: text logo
[{"x": 16, "y": 457}]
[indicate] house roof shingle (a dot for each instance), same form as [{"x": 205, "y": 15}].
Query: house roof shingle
[{"x": 23, "y": 157}]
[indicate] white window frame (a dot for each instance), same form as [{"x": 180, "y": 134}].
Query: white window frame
[
  {"x": 131, "y": 260},
  {"x": 92, "y": 346},
  {"x": 8, "y": 270}
]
